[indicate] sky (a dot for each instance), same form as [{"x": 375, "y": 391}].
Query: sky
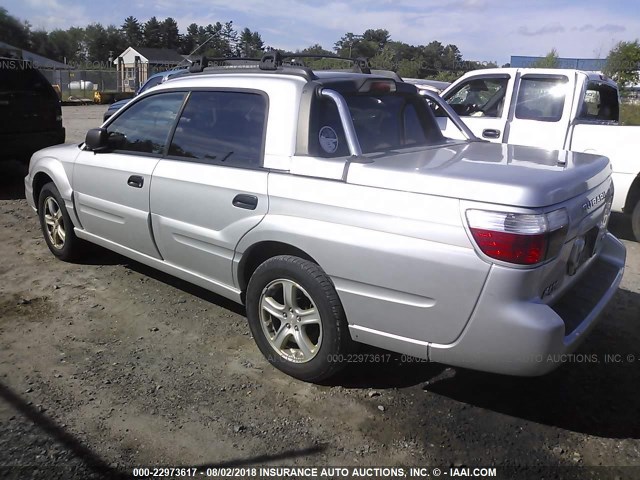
[{"x": 483, "y": 30}]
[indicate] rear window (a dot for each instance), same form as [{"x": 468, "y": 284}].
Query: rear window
[
  {"x": 382, "y": 122},
  {"x": 18, "y": 76}
]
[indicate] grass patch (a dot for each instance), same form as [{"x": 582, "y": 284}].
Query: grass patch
[{"x": 629, "y": 114}]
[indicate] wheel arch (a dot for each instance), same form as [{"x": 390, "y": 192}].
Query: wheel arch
[
  {"x": 633, "y": 196},
  {"x": 40, "y": 180},
  {"x": 261, "y": 251},
  {"x": 50, "y": 169}
]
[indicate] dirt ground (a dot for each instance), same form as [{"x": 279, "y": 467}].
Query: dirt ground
[{"x": 108, "y": 364}]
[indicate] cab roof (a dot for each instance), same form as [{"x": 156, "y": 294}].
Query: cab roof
[{"x": 591, "y": 76}]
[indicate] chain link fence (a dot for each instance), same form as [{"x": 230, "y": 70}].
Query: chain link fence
[{"x": 82, "y": 84}]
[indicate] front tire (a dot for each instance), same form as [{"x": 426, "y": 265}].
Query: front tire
[
  {"x": 297, "y": 319},
  {"x": 635, "y": 221},
  {"x": 56, "y": 225}
]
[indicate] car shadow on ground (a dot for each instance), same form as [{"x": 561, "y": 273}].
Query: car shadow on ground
[
  {"x": 12, "y": 175},
  {"x": 97, "y": 255},
  {"x": 594, "y": 392}
]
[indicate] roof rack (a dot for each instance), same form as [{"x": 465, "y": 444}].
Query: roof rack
[
  {"x": 274, "y": 61},
  {"x": 360, "y": 64},
  {"x": 270, "y": 61},
  {"x": 202, "y": 63}
]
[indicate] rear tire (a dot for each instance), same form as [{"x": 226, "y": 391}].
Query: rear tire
[
  {"x": 56, "y": 225},
  {"x": 635, "y": 221},
  {"x": 297, "y": 319}
]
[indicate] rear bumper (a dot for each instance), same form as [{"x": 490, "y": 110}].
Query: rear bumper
[
  {"x": 25, "y": 144},
  {"x": 532, "y": 338}
]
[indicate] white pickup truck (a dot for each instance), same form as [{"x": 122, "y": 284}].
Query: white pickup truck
[{"x": 557, "y": 109}]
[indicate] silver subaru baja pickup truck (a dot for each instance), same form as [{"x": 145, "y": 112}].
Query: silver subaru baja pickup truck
[{"x": 331, "y": 205}]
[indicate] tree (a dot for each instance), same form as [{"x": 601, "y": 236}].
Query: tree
[
  {"x": 392, "y": 55},
  {"x": 115, "y": 42},
  {"x": 96, "y": 40},
  {"x": 189, "y": 41},
  {"x": 320, "y": 63},
  {"x": 451, "y": 57},
  {"x": 102, "y": 43},
  {"x": 315, "y": 49},
  {"x": 623, "y": 63},
  {"x": 151, "y": 33},
  {"x": 216, "y": 45},
  {"x": 379, "y": 37},
  {"x": 250, "y": 44},
  {"x": 349, "y": 45},
  {"x": 229, "y": 39},
  {"x": 39, "y": 43},
  {"x": 12, "y": 31},
  {"x": 550, "y": 60},
  {"x": 66, "y": 46},
  {"x": 132, "y": 31},
  {"x": 169, "y": 34},
  {"x": 433, "y": 54}
]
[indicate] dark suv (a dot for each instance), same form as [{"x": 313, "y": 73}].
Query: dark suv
[{"x": 30, "y": 111}]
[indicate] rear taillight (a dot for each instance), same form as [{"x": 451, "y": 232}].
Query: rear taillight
[{"x": 521, "y": 239}]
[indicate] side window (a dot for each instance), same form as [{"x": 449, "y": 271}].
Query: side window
[
  {"x": 479, "y": 97},
  {"x": 145, "y": 126},
  {"x": 541, "y": 98},
  {"x": 326, "y": 135},
  {"x": 381, "y": 122},
  {"x": 221, "y": 127},
  {"x": 600, "y": 103}
]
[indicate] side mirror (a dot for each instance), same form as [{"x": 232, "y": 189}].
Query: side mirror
[{"x": 97, "y": 139}]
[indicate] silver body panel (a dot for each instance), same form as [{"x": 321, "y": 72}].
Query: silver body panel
[
  {"x": 195, "y": 225},
  {"x": 389, "y": 229},
  {"x": 506, "y": 174},
  {"x": 107, "y": 206}
]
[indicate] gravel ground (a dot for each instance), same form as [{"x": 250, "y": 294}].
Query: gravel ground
[{"x": 108, "y": 364}]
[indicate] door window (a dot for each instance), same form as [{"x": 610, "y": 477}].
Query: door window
[
  {"x": 479, "y": 97},
  {"x": 144, "y": 127},
  {"x": 221, "y": 127},
  {"x": 600, "y": 103},
  {"x": 541, "y": 98}
]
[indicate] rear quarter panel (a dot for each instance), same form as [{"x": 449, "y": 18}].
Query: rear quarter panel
[{"x": 401, "y": 262}]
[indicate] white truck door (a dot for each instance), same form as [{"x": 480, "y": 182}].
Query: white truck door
[
  {"x": 541, "y": 112},
  {"x": 482, "y": 102}
]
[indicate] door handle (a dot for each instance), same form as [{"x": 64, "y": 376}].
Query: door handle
[
  {"x": 242, "y": 200},
  {"x": 135, "y": 181},
  {"x": 491, "y": 133}
]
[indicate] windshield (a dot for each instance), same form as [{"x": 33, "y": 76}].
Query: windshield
[{"x": 382, "y": 122}]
